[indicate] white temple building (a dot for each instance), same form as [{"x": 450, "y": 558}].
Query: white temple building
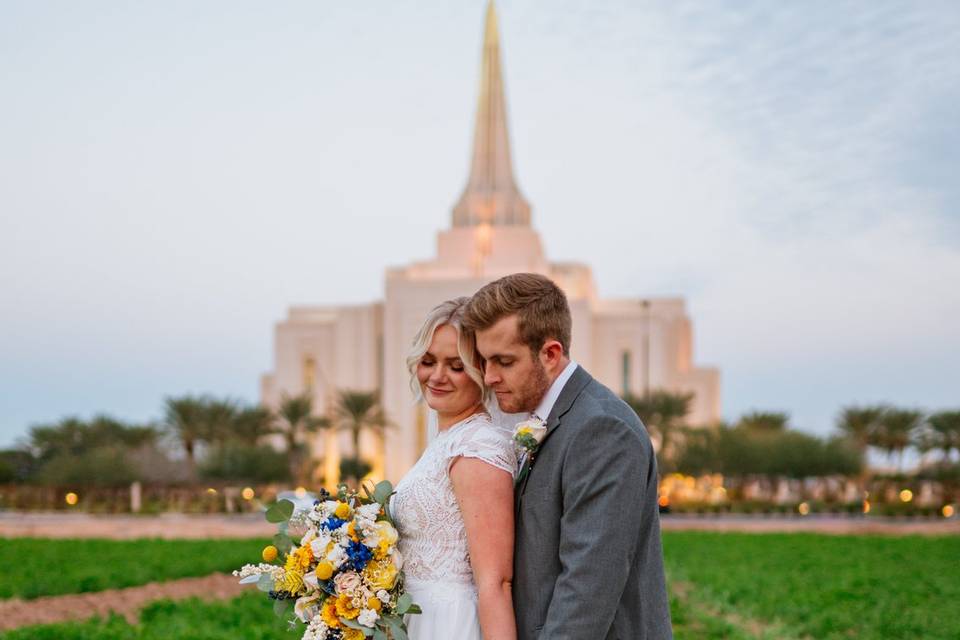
[{"x": 630, "y": 345}]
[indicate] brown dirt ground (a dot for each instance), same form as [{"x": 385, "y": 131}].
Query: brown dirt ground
[{"x": 126, "y": 602}]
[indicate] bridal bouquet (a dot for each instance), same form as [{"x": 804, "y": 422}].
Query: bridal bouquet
[{"x": 343, "y": 575}]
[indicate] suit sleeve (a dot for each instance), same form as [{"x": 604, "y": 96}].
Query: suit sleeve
[{"x": 605, "y": 476}]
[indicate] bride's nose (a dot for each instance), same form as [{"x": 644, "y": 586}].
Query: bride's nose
[{"x": 438, "y": 374}]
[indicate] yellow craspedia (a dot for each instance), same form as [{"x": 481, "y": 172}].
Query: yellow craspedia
[
  {"x": 324, "y": 570},
  {"x": 353, "y": 634},
  {"x": 352, "y": 531},
  {"x": 342, "y": 511},
  {"x": 345, "y": 608},
  {"x": 269, "y": 553},
  {"x": 373, "y": 602},
  {"x": 524, "y": 431},
  {"x": 380, "y": 574},
  {"x": 328, "y": 612}
]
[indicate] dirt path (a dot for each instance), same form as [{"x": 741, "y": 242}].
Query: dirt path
[
  {"x": 122, "y": 527},
  {"x": 252, "y": 525},
  {"x": 126, "y": 602}
]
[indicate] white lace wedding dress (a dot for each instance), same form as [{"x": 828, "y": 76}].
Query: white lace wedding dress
[{"x": 436, "y": 562}]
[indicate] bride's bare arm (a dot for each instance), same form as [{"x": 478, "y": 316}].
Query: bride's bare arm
[{"x": 485, "y": 496}]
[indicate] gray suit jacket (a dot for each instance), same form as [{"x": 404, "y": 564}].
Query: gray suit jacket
[{"x": 588, "y": 564}]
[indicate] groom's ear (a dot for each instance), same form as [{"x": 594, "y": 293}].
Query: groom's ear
[{"x": 551, "y": 353}]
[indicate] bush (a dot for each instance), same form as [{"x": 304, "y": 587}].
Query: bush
[
  {"x": 236, "y": 462},
  {"x": 100, "y": 467}
]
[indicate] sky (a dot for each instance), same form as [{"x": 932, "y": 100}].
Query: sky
[{"x": 174, "y": 175}]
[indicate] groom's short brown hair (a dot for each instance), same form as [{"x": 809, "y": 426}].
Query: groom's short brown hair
[{"x": 538, "y": 302}]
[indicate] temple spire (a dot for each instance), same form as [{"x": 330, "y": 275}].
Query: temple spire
[{"x": 491, "y": 195}]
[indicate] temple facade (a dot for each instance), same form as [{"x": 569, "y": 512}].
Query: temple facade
[{"x": 631, "y": 345}]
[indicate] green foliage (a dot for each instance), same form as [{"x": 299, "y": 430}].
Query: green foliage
[
  {"x": 105, "y": 466},
  {"x": 825, "y": 587},
  {"x": 764, "y": 421},
  {"x": 663, "y": 413},
  {"x": 240, "y": 462},
  {"x": 73, "y": 436},
  {"x": 354, "y": 468},
  {"x": 34, "y": 567},
  {"x": 746, "y": 450},
  {"x": 280, "y": 511},
  {"x": 16, "y": 465}
]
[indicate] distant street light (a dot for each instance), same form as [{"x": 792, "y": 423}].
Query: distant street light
[{"x": 646, "y": 347}]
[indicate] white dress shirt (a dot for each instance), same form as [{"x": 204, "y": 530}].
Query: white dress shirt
[{"x": 553, "y": 393}]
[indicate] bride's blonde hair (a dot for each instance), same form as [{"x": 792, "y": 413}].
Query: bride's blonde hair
[{"x": 446, "y": 313}]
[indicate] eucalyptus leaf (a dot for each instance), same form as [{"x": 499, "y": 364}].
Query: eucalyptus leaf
[
  {"x": 414, "y": 608},
  {"x": 280, "y": 511},
  {"x": 396, "y": 627},
  {"x": 383, "y": 491},
  {"x": 379, "y": 635},
  {"x": 282, "y": 542},
  {"x": 403, "y": 603},
  {"x": 280, "y": 606},
  {"x": 265, "y": 582}
]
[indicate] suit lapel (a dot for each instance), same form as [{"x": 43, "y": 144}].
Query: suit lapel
[{"x": 568, "y": 395}]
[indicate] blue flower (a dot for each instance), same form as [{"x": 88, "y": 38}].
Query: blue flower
[
  {"x": 359, "y": 555},
  {"x": 332, "y": 523}
]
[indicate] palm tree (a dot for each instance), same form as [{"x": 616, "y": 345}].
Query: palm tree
[
  {"x": 946, "y": 426},
  {"x": 250, "y": 424},
  {"x": 184, "y": 417},
  {"x": 663, "y": 412},
  {"x": 764, "y": 421},
  {"x": 860, "y": 424},
  {"x": 297, "y": 420},
  {"x": 218, "y": 417},
  {"x": 356, "y": 411},
  {"x": 897, "y": 427}
]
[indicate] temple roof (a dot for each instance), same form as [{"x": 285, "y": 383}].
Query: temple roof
[{"x": 491, "y": 195}]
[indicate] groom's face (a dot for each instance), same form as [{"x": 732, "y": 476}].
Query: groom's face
[{"x": 511, "y": 370}]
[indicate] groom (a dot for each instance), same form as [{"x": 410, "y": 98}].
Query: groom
[{"x": 588, "y": 562}]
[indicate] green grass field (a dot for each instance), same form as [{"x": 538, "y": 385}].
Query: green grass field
[
  {"x": 36, "y": 567},
  {"x": 734, "y": 586}
]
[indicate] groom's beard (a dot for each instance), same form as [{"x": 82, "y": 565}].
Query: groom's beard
[{"x": 529, "y": 395}]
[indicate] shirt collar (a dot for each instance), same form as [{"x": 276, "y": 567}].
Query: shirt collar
[{"x": 553, "y": 393}]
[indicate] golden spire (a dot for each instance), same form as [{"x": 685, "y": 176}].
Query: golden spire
[{"x": 491, "y": 195}]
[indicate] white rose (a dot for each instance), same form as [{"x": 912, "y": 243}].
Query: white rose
[{"x": 368, "y": 617}]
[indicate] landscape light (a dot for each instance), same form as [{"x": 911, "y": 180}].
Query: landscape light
[
  {"x": 906, "y": 495},
  {"x": 71, "y": 498},
  {"x": 212, "y": 491},
  {"x": 247, "y": 493},
  {"x": 947, "y": 511},
  {"x": 866, "y": 506},
  {"x": 803, "y": 508}
]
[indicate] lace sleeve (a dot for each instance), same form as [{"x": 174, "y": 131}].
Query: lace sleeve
[{"x": 485, "y": 441}]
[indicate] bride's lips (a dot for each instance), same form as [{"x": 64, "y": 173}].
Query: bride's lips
[{"x": 439, "y": 392}]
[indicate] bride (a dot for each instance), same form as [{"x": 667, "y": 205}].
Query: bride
[{"x": 454, "y": 509}]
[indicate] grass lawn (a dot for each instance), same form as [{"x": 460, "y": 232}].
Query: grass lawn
[
  {"x": 723, "y": 585},
  {"x": 807, "y": 585},
  {"x": 34, "y": 567}
]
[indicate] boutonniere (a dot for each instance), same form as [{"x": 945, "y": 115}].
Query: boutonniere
[{"x": 527, "y": 437}]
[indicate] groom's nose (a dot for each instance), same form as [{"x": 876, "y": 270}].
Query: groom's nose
[{"x": 490, "y": 375}]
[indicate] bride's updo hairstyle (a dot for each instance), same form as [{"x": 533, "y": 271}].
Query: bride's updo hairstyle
[{"x": 451, "y": 313}]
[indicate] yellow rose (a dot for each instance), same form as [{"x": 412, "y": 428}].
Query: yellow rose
[
  {"x": 324, "y": 570},
  {"x": 345, "y": 607},
  {"x": 329, "y": 613},
  {"x": 524, "y": 431},
  {"x": 380, "y": 574},
  {"x": 269, "y": 553},
  {"x": 373, "y": 602},
  {"x": 342, "y": 511}
]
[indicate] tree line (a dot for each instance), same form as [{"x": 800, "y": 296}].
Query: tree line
[
  {"x": 199, "y": 437},
  {"x": 763, "y": 443}
]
